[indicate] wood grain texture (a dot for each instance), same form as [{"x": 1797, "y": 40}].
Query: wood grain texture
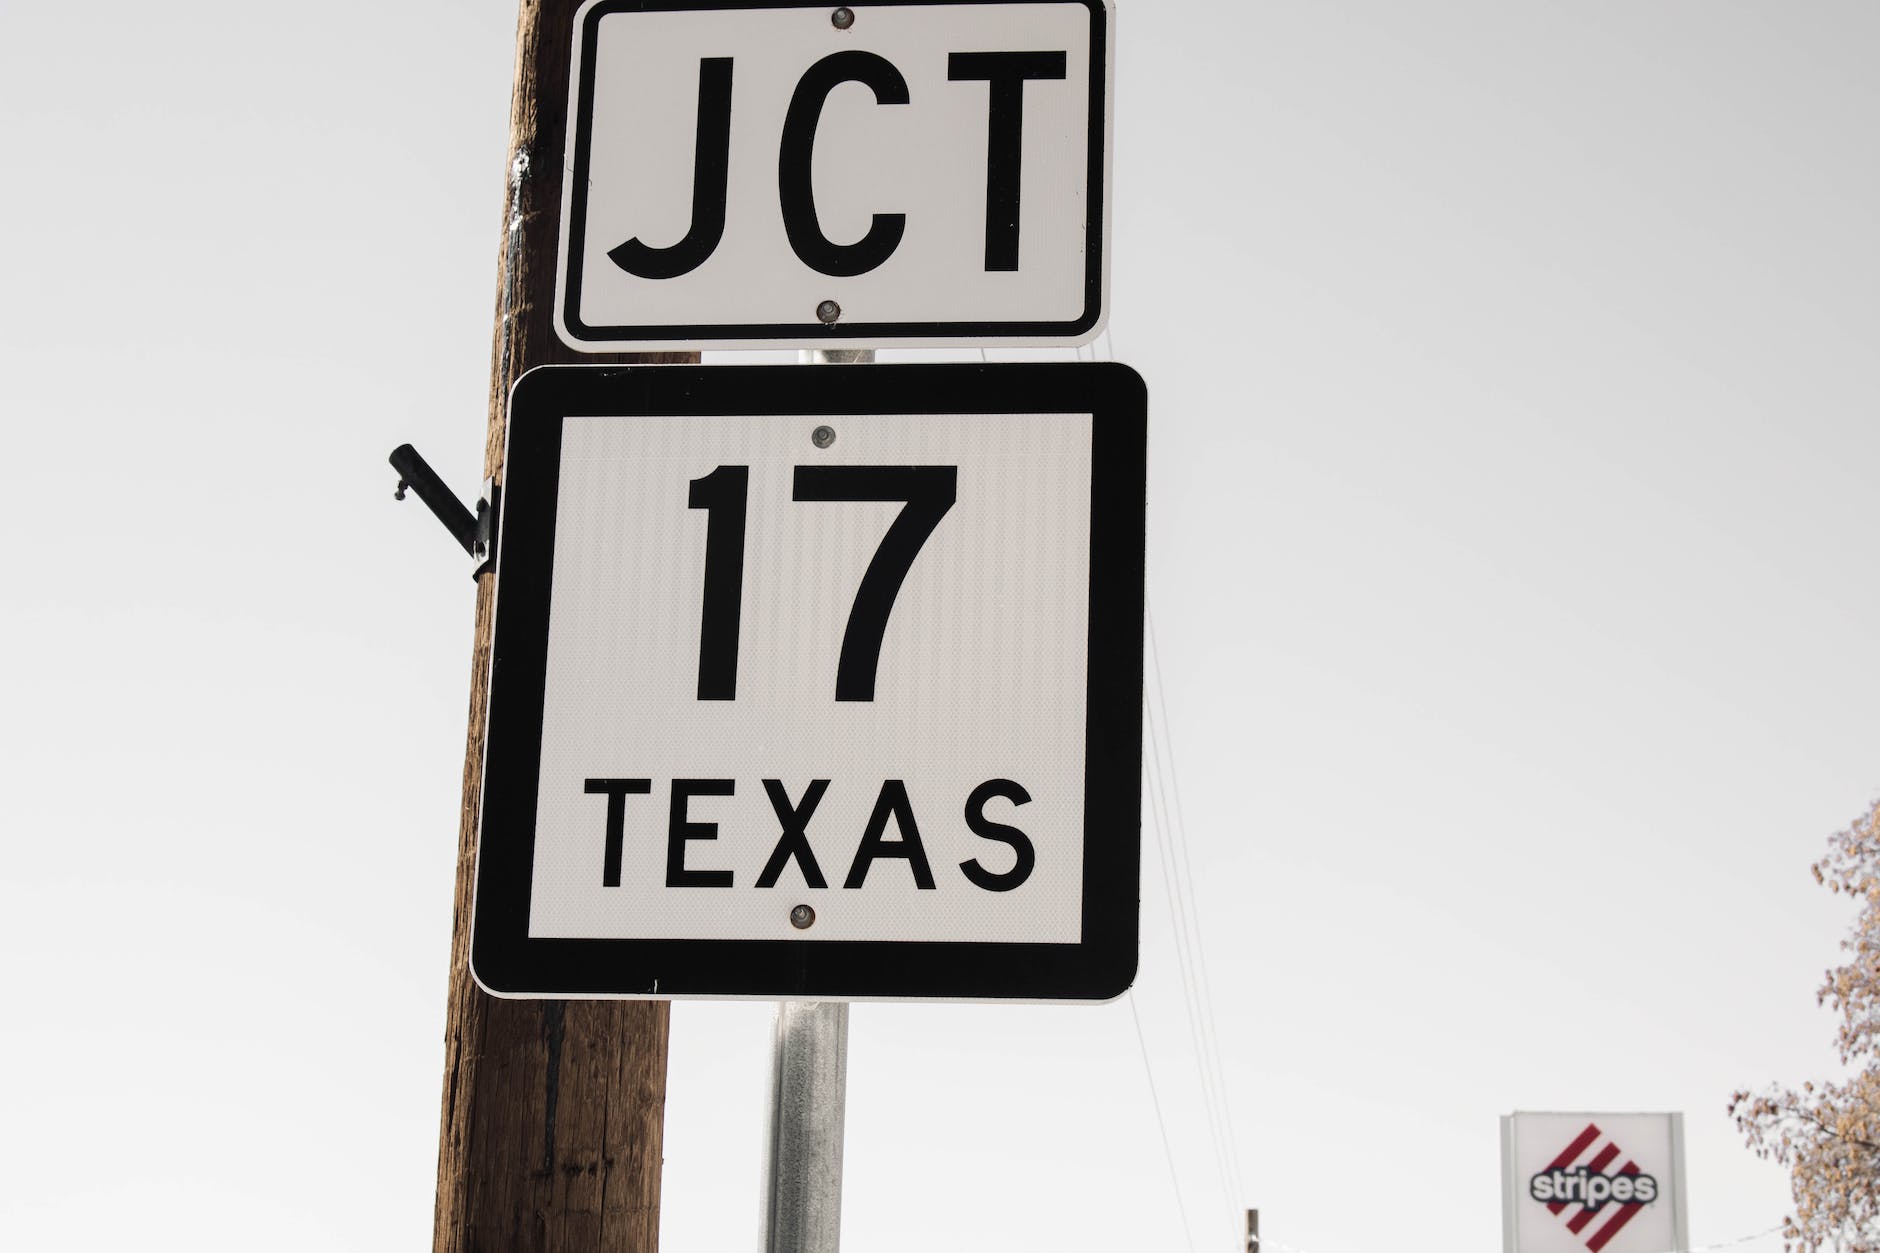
[{"x": 553, "y": 1110}]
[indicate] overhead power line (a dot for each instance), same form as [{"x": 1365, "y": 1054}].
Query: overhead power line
[{"x": 1168, "y": 1152}]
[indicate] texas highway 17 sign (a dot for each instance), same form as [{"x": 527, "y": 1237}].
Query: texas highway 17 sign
[
  {"x": 775, "y": 173},
  {"x": 816, "y": 683}
]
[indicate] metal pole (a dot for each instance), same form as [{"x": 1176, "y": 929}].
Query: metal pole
[
  {"x": 803, "y": 1162},
  {"x": 809, "y": 1074},
  {"x": 1253, "y": 1231}
]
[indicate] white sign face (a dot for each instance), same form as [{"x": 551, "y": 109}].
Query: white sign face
[
  {"x": 1593, "y": 1183},
  {"x": 812, "y": 680},
  {"x": 630, "y": 561},
  {"x": 753, "y": 175}
]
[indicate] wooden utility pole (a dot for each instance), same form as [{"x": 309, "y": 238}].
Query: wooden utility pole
[{"x": 553, "y": 1110}]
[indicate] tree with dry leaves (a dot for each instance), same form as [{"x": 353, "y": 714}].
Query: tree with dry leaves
[{"x": 1828, "y": 1133}]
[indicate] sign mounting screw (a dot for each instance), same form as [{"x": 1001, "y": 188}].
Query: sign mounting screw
[
  {"x": 823, "y": 436},
  {"x": 801, "y": 917},
  {"x": 842, "y": 18},
  {"x": 828, "y": 311}
]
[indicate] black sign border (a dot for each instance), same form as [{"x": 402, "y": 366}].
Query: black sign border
[
  {"x": 585, "y": 338},
  {"x": 507, "y": 962}
]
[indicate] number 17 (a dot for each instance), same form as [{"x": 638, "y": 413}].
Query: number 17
[{"x": 928, "y": 492}]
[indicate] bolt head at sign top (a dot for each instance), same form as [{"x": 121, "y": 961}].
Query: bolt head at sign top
[{"x": 768, "y": 174}]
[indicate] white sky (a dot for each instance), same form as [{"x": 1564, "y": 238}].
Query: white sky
[{"x": 1512, "y": 419}]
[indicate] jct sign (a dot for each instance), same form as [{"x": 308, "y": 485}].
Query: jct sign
[
  {"x": 1592, "y": 1183},
  {"x": 816, "y": 682},
  {"x": 793, "y": 174}
]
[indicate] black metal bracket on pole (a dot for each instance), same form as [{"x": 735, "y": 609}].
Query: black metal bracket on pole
[{"x": 476, "y": 532}]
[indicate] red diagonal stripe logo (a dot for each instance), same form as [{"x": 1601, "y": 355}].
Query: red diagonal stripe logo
[{"x": 1606, "y": 1217}]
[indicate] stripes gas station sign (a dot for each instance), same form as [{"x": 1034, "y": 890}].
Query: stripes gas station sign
[{"x": 1592, "y": 1183}]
